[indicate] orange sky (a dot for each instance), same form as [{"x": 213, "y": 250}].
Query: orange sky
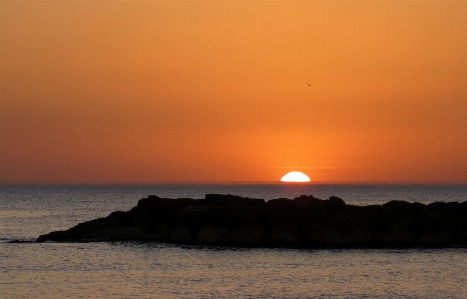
[{"x": 205, "y": 91}]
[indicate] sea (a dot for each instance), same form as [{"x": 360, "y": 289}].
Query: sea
[{"x": 161, "y": 270}]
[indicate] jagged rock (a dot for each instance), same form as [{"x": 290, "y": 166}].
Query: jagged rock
[
  {"x": 213, "y": 235},
  {"x": 311, "y": 207},
  {"x": 336, "y": 204},
  {"x": 158, "y": 233},
  {"x": 196, "y": 216},
  {"x": 237, "y": 215},
  {"x": 224, "y": 200},
  {"x": 286, "y": 226},
  {"x": 355, "y": 218},
  {"x": 359, "y": 237},
  {"x": 305, "y": 221},
  {"x": 253, "y": 234},
  {"x": 285, "y": 235},
  {"x": 439, "y": 238},
  {"x": 180, "y": 234},
  {"x": 323, "y": 236},
  {"x": 121, "y": 233}
]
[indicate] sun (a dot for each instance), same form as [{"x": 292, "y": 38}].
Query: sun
[{"x": 295, "y": 176}]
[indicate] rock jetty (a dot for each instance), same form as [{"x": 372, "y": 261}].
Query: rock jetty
[{"x": 302, "y": 222}]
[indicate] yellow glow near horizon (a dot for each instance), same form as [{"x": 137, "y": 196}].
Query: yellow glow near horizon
[{"x": 295, "y": 176}]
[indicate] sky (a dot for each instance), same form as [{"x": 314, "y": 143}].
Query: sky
[{"x": 233, "y": 91}]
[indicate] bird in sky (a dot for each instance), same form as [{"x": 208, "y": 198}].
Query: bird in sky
[{"x": 309, "y": 84}]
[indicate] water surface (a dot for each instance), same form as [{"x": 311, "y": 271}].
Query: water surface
[{"x": 158, "y": 270}]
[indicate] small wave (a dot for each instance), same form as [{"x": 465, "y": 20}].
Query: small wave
[
  {"x": 16, "y": 241},
  {"x": 22, "y": 241}
]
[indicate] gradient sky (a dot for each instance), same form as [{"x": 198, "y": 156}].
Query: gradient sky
[{"x": 206, "y": 91}]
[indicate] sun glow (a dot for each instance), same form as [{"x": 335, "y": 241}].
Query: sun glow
[{"x": 296, "y": 177}]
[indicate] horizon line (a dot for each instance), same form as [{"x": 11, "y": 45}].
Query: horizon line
[{"x": 231, "y": 183}]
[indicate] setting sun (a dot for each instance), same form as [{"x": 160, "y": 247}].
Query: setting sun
[{"x": 295, "y": 176}]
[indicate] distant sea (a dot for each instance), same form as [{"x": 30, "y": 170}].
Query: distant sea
[{"x": 159, "y": 270}]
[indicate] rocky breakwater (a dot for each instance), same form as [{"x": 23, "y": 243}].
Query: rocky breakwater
[{"x": 303, "y": 222}]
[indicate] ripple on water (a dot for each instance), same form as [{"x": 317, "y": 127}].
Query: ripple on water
[{"x": 141, "y": 270}]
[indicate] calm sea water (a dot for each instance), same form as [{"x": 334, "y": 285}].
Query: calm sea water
[{"x": 157, "y": 270}]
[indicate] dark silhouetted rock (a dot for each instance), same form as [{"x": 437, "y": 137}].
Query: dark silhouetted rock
[
  {"x": 213, "y": 235},
  {"x": 303, "y": 222},
  {"x": 194, "y": 217},
  {"x": 324, "y": 237},
  {"x": 224, "y": 200},
  {"x": 248, "y": 235},
  {"x": 120, "y": 233},
  {"x": 180, "y": 234},
  {"x": 336, "y": 204}
]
